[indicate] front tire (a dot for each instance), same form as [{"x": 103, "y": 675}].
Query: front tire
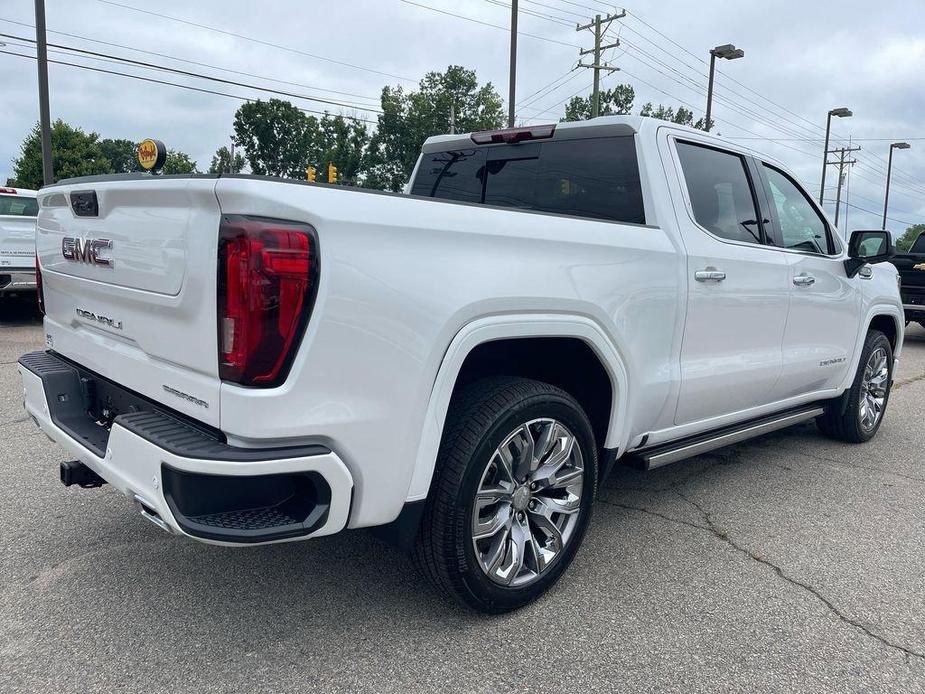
[
  {"x": 512, "y": 493},
  {"x": 856, "y": 416}
]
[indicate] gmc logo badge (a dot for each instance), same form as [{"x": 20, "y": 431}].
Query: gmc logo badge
[{"x": 87, "y": 250}]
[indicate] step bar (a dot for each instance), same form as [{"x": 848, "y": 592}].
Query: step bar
[{"x": 667, "y": 453}]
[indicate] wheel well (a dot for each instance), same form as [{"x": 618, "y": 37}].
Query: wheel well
[
  {"x": 565, "y": 362},
  {"x": 886, "y": 325}
]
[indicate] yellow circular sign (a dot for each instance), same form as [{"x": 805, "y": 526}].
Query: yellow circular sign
[{"x": 151, "y": 154}]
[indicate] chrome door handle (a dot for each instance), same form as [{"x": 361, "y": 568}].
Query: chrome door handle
[
  {"x": 710, "y": 274},
  {"x": 804, "y": 280}
]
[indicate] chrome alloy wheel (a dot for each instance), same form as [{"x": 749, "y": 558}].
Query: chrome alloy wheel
[
  {"x": 527, "y": 505},
  {"x": 873, "y": 389}
]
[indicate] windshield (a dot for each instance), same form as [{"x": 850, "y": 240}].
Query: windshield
[{"x": 18, "y": 206}]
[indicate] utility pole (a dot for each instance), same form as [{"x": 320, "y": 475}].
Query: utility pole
[
  {"x": 452, "y": 118},
  {"x": 841, "y": 164},
  {"x": 512, "y": 91},
  {"x": 231, "y": 164},
  {"x": 599, "y": 26},
  {"x": 48, "y": 174}
]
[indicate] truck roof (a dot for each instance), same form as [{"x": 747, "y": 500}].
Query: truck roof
[
  {"x": 25, "y": 192},
  {"x": 602, "y": 126}
]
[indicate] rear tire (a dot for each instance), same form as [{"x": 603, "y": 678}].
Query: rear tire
[
  {"x": 856, "y": 416},
  {"x": 511, "y": 497}
]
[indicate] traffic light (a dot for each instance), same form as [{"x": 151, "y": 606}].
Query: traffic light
[
  {"x": 332, "y": 172},
  {"x": 310, "y": 174}
]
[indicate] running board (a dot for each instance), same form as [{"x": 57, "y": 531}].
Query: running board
[{"x": 672, "y": 452}]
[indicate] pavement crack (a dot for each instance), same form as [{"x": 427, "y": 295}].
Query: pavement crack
[
  {"x": 907, "y": 381},
  {"x": 724, "y": 536},
  {"x": 664, "y": 516},
  {"x": 845, "y": 463}
]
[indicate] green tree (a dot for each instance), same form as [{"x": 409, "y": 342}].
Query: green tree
[
  {"x": 342, "y": 141},
  {"x": 904, "y": 242},
  {"x": 275, "y": 136},
  {"x": 222, "y": 162},
  {"x": 74, "y": 153},
  {"x": 682, "y": 116},
  {"x": 411, "y": 117},
  {"x": 122, "y": 155},
  {"x": 281, "y": 140},
  {"x": 612, "y": 102},
  {"x": 178, "y": 162}
]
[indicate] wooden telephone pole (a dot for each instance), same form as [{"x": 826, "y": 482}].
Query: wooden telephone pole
[{"x": 599, "y": 26}]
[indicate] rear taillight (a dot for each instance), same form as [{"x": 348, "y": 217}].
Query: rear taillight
[
  {"x": 267, "y": 278},
  {"x": 38, "y": 285}
]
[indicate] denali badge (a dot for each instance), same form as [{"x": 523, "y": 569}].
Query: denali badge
[
  {"x": 105, "y": 320},
  {"x": 87, "y": 250},
  {"x": 185, "y": 396},
  {"x": 834, "y": 360}
]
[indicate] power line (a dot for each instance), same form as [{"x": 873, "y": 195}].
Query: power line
[
  {"x": 811, "y": 125},
  {"x": 864, "y": 209},
  {"x": 532, "y": 13},
  {"x": 187, "y": 73},
  {"x": 555, "y": 8},
  {"x": 190, "y": 62},
  {"x": 256, "y": 40},
  {"x": 477, "y": 21},
  {"x": 536, "y": 116},
  {"x": 819, "y": 139},
  {"x": 548, "y": 89},
  {"x": 585, "y": 7},
  {"x": 170, "y": 84}
]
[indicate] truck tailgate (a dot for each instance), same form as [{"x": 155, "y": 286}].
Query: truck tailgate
[
  {"x": 129, "y": 287},
  {"x": 17, "y": 242}
]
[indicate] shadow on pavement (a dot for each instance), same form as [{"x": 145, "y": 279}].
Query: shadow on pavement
[{"x": 19, "y": 310}]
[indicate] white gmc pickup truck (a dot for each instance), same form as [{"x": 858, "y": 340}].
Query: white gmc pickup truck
[
  {"x": 256, "y": 360},
  {"x": 18, "y": 208}
]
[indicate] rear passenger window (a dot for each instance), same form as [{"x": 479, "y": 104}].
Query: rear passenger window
[
  {"x": 594, "y": 177},
  {"x": 720, "y": 192}
]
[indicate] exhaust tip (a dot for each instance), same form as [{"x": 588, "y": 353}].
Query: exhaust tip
[{"x": 149, "y": 514}]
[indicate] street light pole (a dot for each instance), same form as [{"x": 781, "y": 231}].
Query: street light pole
[
  {"x": 889, "y": 170},
  {"x": 48, "y": 174},
  {"x": 512, "y": 82},
  {"x": 841, "y": 113},
  {"x": 729, "y": 52}
]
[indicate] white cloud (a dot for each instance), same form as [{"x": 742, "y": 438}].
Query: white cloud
[{"x": 806, "y": 56}]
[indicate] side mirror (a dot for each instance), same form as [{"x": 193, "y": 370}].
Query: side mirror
[{"x": 868, "y": 247}]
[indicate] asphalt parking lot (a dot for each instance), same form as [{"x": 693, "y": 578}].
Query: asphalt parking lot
[{"x": 788, "y": 564}]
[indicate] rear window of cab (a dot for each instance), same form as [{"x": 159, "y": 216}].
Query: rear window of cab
[
  {"x": 597, "y": 178},
  {"x": 18, "y": 206}
]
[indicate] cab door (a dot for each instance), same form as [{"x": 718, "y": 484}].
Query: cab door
[
  {"x": 738, "y": 296},
  {"x": 825, "y": 304}
]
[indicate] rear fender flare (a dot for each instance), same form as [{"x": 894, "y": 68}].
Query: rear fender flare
[{"x": 505, "y": 327}]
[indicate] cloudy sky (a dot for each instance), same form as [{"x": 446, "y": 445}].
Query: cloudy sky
[{"x": 802, "y": 59}]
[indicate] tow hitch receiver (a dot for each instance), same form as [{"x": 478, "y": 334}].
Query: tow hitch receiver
[{"x": 75, "y": 472}]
